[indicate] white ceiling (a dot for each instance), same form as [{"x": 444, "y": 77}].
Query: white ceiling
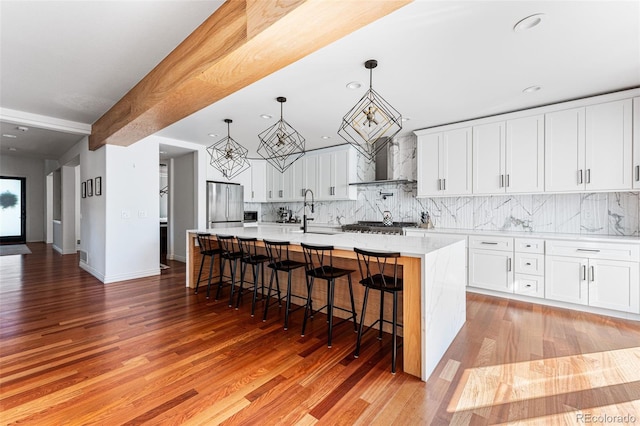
[{"x": 439, "y": 62}]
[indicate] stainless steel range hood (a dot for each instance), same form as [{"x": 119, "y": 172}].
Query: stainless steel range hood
[{"x": 384, "y": 168}]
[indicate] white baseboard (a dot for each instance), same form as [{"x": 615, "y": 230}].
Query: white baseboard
[
  {"x": 131, "y": 275},
  {"x": 91, "y": 270}
]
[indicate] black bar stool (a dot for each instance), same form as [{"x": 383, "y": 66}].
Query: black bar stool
[
  {"x": 380, "y": 273},
  {"x": 230, "y": 253},
  {"x": 319, "y": 261},
  {"x": 278, "y": 252},
  {"x": 207, "y": 249},
  {"x": 250, "y": 256}
]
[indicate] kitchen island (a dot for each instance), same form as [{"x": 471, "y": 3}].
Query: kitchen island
[{"x": 433, "y": 272}]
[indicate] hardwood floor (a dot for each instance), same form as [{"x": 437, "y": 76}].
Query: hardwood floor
[{"x": 75, "y": 351}]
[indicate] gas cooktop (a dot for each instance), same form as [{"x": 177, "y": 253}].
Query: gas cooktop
[{"x": 370, "y": 227}]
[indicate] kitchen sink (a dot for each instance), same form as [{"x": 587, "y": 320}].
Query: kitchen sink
[{"x": 299, "y": 231}]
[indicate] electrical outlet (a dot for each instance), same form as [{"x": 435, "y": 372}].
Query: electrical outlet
[
  {"x": 142, "y": 214},
  {"x": 125, "y": 214}
]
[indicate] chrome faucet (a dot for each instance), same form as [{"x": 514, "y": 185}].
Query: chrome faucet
[{"x": 304, "y": 210}]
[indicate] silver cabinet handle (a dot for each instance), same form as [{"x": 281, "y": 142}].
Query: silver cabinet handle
[
  {"x": 584, "y": 272},
  {"x": 489, "y": 243},
  {"x": 638, "y": 173},
  {"x": 528, "y": 263},
  {"x": 444, "y": 184},
  {"x": 580, "y": 176},
  {"x": 508, "y": 264},
  {"x": 280, "y": 192},
  {"x": 588, "y": 175},
  {"x": 527, "y": 245},
  {"x": 508, "y": 183},
  {"x": 593, "y": 273},
  {"x": 270, "y": 195},
  {"x": 501, "y": 181},
  {"x": 252, "y": 194},
  {"x": 439, "y": 184},
  {"x": 589, "y": 250}
]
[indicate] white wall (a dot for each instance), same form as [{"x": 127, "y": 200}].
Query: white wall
[
  {"x": 68, "y": 210},
  {"x": 131, "y": 189},
  {"x": 33, "y": 170},
  {"x": 183, "y": 196}
]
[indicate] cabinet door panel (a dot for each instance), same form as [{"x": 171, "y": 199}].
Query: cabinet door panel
[
  {"x": 429, "y": 147},
  {"x": 525, "y": 154},
  {"x": 341, "y": 175},
  {"x": 614, "y": 285},
  {"x": 564, "y": 150},
  {"x": 456, "y": 162},
  {"x": 258, "y": 181},
  {"x": 608, "y": 146},
  {"x": 311, "y": 173},
  {"x": 325, "y": 176},
  {"x": 566, "y": 279},
  {"x": 489, "y": 158},
  {"x": 490, "y": 269},
  {"x": 636, "y": 143}
]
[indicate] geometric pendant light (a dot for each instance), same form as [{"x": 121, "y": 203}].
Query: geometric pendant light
[
  {"x": 281, "y": 145},
  {"x": 371, "y": 124},
  {"x": 228, "y": 156}
]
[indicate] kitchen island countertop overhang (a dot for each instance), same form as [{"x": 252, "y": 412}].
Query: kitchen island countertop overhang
[{"x": 433, "y": 303}]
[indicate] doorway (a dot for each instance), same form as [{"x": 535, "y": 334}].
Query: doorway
[{"x": 13, "y": 209}]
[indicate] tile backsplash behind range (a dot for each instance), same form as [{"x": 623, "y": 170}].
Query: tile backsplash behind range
[{"x": 615, "y": 213}]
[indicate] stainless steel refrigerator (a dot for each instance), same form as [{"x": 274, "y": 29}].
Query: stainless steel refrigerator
[{"x": 225, "y": 204}]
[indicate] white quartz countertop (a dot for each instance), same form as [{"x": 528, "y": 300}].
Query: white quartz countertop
[
  {"x": 407, "y": 246},
  {"x": 540, "y": 235},
  {"x": 310, "y": 224}
]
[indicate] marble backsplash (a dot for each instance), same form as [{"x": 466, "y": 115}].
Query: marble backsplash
[{"x": 615, "y": 213}]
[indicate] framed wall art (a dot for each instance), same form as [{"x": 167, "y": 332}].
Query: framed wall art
[
  {"x": 83, "y": 189},
  {"x": 98, "y": 185},
  {"x": 90, "y": 188}
]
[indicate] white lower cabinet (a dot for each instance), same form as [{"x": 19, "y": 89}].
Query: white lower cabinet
[
  {"x": 589, "y": 279},
  {"x": 491, "y": 263}
]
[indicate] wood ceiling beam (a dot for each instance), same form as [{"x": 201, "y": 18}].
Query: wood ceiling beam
[{"x": 242, "y": 42}]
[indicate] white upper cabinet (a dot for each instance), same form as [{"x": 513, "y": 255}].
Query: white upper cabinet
[
  {"x": 508, "y": 156},
  {"x": 275, "y": 187},
  {"x": 336, "y": 169},
  {"x": 258, "y": 183},
  {"x": 489, "y": 156},
  {"x": 636, "y": 143},
  {"x": 524, "y": 162},
  {"x": 589, "y": 148},
  {"x": 293, "y": 181},
  {"x": 254, "y": 183},
  {"x": 310, "y": 168},
  {"x": 444, "y": 163},
  {"x": 608, "y": 146},
  {"x": 564, "y": 150}
]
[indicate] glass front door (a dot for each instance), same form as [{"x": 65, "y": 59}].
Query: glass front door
[{"x": 13, "y": 211}]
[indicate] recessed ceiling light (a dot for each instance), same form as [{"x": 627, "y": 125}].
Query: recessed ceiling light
[
  {"x": 7, "y": 135},
  {"x": 266, "y": 116},
  {"x": 163, "y": 152},
  {"x": 354, "y": 85},
  {"x": 532, "y": 89},
  {"x": 528, "y": 22},
  {"x": 213, "y": 135},
  {"x": 22, "y": 128},
  {"x": 326, "y": 137},
  {"x": 12, "y": 149}
]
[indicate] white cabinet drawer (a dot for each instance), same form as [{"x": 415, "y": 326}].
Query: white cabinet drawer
[
  {"x": 491, "y": 243},
  {"x": 529, "y": 245},
  {"x": 594, "y": 250},
  {"x": 529, "y": 264},
  {"x": 529, "y": 285}
]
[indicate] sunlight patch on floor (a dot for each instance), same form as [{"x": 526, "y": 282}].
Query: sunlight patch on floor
[{"x": 483, "y": 387}]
